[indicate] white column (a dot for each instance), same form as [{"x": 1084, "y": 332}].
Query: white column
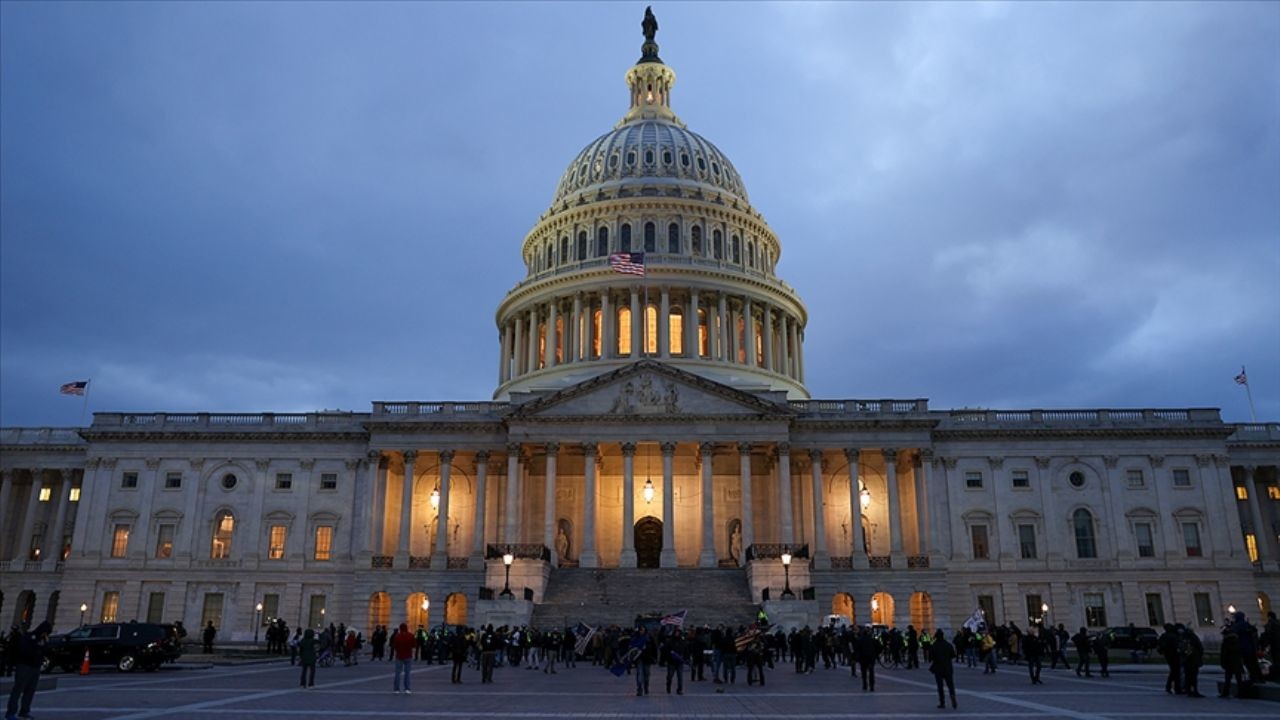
[
  {"x": 441, "y": 555},
  {"x": 517, "y": 349},
  {"x": 856, "y": 551},
  {"x": 931, "y": 520},
  {"x": 744, "y": 478},
  {"x": 707, "y": 557},
  {"x": 821, "y": 559},
  {"x": 588, "y": 327},
  {"x": 749, "y": 331},
  {"x": 691, "y": 325},
  {"x": 29, "y": 519},
  {"x": 800, "y": 353},
  {"x": 792, "y": 329},
  {"x": 504, "y": 347},
  {"x": 140, "y": 538},
  {"x": 783, "y": 336},
  {"x": 784, "y": 493},
  {"x": 553, "y": 339},
  {"x": 89, "y": 482},
  {"x": 608, "y": 325},
  {"x": 589, "y": 558},
  {"x": 668, "y": 557},
  {"x": 511, "y": 519},
  {"x": 6, "y": 491},
  {"x": 60, "y": 518},
  {"x": 768, "y": 337},
  {"x": 628, "y": 557},
  {"x": 477, "y": 533},
  {"x": 380, "y": 488},
  {"x": 549, "y": 501},
  {"x": 895, "y": 505},
  {"x": 362, "y": 523},
  {"x": 713, "y": 332},
  {"x": 406, "y": 510},
  {"x": 922, "y": 505},
  {"x": 664, "y": 324},
  {"x": 726, "y": 331},
  {"x": 637, "y": 325},
  {"x": 532, "y": 343},
  {"x": 1260, "y": 530}
]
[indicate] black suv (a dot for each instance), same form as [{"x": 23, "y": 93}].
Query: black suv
[
  {"x": 128, "y": 646},
  {"x": 1141, "y": 639}
]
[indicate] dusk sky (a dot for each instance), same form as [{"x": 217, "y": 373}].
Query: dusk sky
[{"x": 295, "y": 206}]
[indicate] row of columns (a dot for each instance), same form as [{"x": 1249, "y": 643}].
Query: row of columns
[
  {"x": 1263, "y": 534},
  {"x": 60, "y": 483},
  {"x": 526, "y": 330}
]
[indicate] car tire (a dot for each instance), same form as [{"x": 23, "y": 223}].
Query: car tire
[{"x": 127, "y": 663}]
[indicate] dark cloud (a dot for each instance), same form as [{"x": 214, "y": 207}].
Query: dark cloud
[{"x": 289, "y": 207}]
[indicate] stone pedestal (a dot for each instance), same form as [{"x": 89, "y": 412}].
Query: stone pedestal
[
  {"x": 503, "y": 611},
  {"x": 793, "y": 614}
]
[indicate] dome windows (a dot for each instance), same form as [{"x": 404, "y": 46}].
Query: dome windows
[
  {"x": 602, "y": 242},
  {"x": 624, "y": 240},
  {"x": 695, "y": 239},
  {"x": 684, "y": 159},
  {"x": 702, "y": 164},
  {"x": 666, "y": 157},
  {"x": 673, "y": 238},
  {"x": 717, "y": 245},
  {"x": 631, "y": 158},
  {"x": 613, "y": 161},
  {"x": 715, "y": 169},
  {"x": 650, "y": 237},
  {"x": 648, "y": 157},
  {"x": 564, "y": 249},
  {"x": 582, "y": 244}
]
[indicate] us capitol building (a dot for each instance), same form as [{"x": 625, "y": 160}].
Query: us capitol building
[{"x": 651, "y": 446}]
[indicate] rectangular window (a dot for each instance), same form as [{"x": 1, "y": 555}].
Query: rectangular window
[
  {"x": 1095, "y": 610},
  {"x": 46, "y": 494},
  {"x": 1181, "y": 478},
  {"x": 675, "y": 334},
  {"x": 978, "y": 537},
  {"x": 172, "y": 481},
  {"x": 284, "y": 481},
  {"x": 315, "y": 613},
  {"x": 1251, "y": 544},
  {"x": 324, "y": 542},
  {"x": 973, "y": 479},
  {"x": 1134, "y": 478},
  {"x": 36, "y": 541},
  {"x": 1191, "y": 538},
  {"x": 1146, "y": 539},
  {"x": 75, "y": 495},
  {"x": 110, "y": 606},
  {"x": 987, "y": 604},
  {"x": 120, "y": 541},
  {"x": 1242, "y": 493},
  {"x": 275, "y": 546},
  {"x": 1155, "y": 610},
  {"x": 328, "y": 481},
  {"x": 270, "y": 607},
  {"x": 1027, "y": 541},
  {"x": 212, "y": 611},
  {"x": 129, "y": 480},
  {"x": 1035, "y": 609},
  {"x": 164, "y": 541},
  {"x": 155, "y": 607},
  {"x": 1204, "y": 609},
  {"x": 1273, "y": 492},
  {"x": 1021, "y": 479}
]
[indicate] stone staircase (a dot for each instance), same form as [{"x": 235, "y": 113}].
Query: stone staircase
[{"x": 616, "y": 596}]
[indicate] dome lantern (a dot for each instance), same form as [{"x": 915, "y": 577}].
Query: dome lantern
[{"x": 650, "y": 80}]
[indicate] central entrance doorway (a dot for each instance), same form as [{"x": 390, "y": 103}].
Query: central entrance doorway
[{"x": 648, "y": 541}]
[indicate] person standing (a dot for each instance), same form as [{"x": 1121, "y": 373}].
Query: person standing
[
  {"x": 27, "y": 658},
  {"x": 1168, "y": 647},
  {"x": 1102, "y": 648},
  {"x": 1271, "y": 639},
  {"x": 307, "y": 659},
  {"x": 293, "y": 646},
  {"x": 674, "y": 651},
  {"x": 1033, "y": 649},
  {"x": 1231, "y": 661},
  {"x": 210, "y": 632},
  {"x": 458, "y": 654},
  {"x": 1192, "y": 651},
  {"x": 402, "y": 647},
  {"x": 943, "y": 668},
  {"x": 645, "y": 658},
  {"x": 1083, "y": 648},
  {"x": 913, "y": 648},
  {"x": 866, "y": 649},
  {"x": 489, "y": 644}
]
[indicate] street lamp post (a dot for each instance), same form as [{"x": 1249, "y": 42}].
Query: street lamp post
[
  {"x": 83, "y": 609},
  {"x": 507, "y": 559},
  {"x": 1044, "y": 613},
  {"x": 257, "y": 621},
  {"x": 786, "y": 569},
  {"x": 322, "y": 617}
]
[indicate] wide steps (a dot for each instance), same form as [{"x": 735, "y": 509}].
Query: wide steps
[{"x": 616, "y": 596}]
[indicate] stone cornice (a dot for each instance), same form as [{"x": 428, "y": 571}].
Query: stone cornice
[
  {"x": 1126, "y": 433},
  {"x": 222, "y": 436}
]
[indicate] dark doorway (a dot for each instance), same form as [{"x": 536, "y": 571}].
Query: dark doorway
[{"x": 648, "y": 542}]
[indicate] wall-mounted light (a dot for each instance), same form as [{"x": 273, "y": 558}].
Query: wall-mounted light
[
  {"x": 875, "y": 604},
  {"x": 647, "y": 492},
  {"x": 425, "y": 604}
]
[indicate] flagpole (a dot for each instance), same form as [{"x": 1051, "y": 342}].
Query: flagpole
[
  {"x": 84, "y": 408},
  {"x": 1253, "y": 417}
]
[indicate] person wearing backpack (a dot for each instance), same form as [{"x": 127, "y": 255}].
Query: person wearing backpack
[
  {"x": 1168, "y": 647},
  {"x": 1191, "y": 651},
  {"x": 1231, "y": 661}
]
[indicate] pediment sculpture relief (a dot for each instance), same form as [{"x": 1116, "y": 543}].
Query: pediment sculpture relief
[{"x": 646, "y": 399}]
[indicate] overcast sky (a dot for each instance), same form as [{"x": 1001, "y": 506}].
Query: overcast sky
[{"x": 297, "y": 206}]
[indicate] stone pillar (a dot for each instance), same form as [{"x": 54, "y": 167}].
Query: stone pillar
[
  {"x": 895, "y": 505},
  {"x": 532, "y": 349},
  {"x": 140, "y": 538},
  {"x": 922, "y": 505},
  {"x": 505, "y": 353},
  {"x": 783, "y": 335},
  {"x": 794, "y": 369},
  {"x": 88, "y": 484},
  {"x": 406, "y": 510},
  {"x": 477, "y": 540},
  {"x": 440, "y": 557},
  {"x": 931, "y": 520},
  {"x": 29, "y": 519},
  {"x": 713, "y": 333},
  {"x": 668, "y": 557},
  {"x": 768, "y": 337},
  {"x": 609, "y": 342},
  {"x": 637, "y": 324},
  {"x": 549, "y": 501},
  {"x": 726, "y": 331},
  {"x": 553, "y": 338},
  {"x": 784, "y": 493},
  {"x": 744, "y": 478},
  {"x": 517, "y": 348},
  {"x": 589, "y": 328},
  {"x": 6, "y": 492},
  {"x": 856, "y": 551},
  {"x": 511, "y": 520},
  {"x": 60, "y": 519},
  {"x": 821, "y": 559},
  {"x": 628, "y": 557},
  {"x": 749, "y": 332},
  {"x": 365, "y": 511},
  {"x": 800, "y": 353},
  {"x": 707, "y": 557},
  {"x": 691, "y": 325},
  {"x": 1260, "y": 530},
  {"x": 589, "y": 558},
  {"x": 574, "y": 334},
  {"x": 664, "y": 324}
]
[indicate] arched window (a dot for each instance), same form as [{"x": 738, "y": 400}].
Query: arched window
[
  {"x": 650, "y": 237},
  {"x": 759, "y": 344},
  {"x": 582, "y": 245},
  {"x": 602, "y": 242},
  {"x": 624, "y": 239},
  {"x": 675, "y": 331},
  {"x": 651, "y": 330},
  {"x": 1082, "y": 521},
  {"x": 673, "y": 238},
  {"x": 624, "y": 330},
  {"x": 737, "y": 250},
  {"x": 379, "y": 610},
  {"x": 546, "y": 256},
  {"x": 741, "y": 339},
  {"x": 558, "y": 338},
  {"x": 751, "y": 253},
  {"x": 695, "y": 239},
  {"x": 702, "y": 332},
  {"x": 224, "y": 526},
  {"x": 717, "y": 245},
  {"x": 595, "y": 333},
  {"x": 564, "y": 249}
]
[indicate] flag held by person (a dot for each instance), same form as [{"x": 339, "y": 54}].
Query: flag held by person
[
  {"x": 583, "y": 632},
  {"x": 675, "y": 619}
]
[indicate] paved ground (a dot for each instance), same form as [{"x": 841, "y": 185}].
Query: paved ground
[{"x": 270, "y": 691}]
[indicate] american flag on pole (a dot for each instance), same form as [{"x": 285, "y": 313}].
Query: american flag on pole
[
  {"x": 676, "y": 619},
  {"x": 74, "y": 388},
  {"x": 629, "y": 263},
  {"x": 583, "y": 632},
  {"x": 1242, "y": 379}
]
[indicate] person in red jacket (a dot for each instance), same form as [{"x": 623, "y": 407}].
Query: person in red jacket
[{"x": 402, "y": 647}]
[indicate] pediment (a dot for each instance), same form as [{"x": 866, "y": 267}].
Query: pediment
[{"x": 651, "y": 389}]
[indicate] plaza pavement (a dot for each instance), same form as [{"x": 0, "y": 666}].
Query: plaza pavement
[{"x": 262, "y": 691}]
